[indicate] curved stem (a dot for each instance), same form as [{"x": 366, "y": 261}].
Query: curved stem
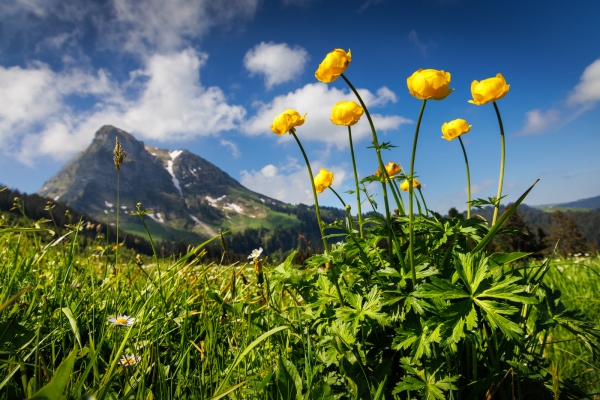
[
  {"x": 312, "y": 182},
  {"x": 468, "y": 178},
  {"x": 347, "y": 208},
  {"x": 501, "y": 180},
  {"x": 360, "y": 218},
  {"x": 424, "y": 203},
  {"x": 411, "y": 216},
  {"x": 397, "y": 197},
  {"x": 381, "y": 168}
]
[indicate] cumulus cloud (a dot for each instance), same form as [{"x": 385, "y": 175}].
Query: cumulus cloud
[
  {"x": 316, "y": 100},
  {"x": 278, "y": 63},
  {"x": 477, "y": 187},
  {"x": 163, "y": 101},
  {"x": 587, "y": 92},
  {"x": 135, "y": 26},
  {"x": 288, "y": 183},
  {"x": 536, "y": 121}
]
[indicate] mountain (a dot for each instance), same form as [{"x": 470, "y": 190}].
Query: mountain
[{"x": 190, "y": 197}]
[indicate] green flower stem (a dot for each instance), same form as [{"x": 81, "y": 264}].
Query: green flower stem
[
  {"x": 360, "y": 218},
  {"x": 424, "y": 203},
  {"x": 397, "y": 197},
  {"x": 411, "y": 216},
  {"x": 501, "y": 180},
  {"x": 312, "y": 182},
  {"x": 381, "y": 168},
  {"x": 350, "y": 220},
  {"x": 468, "y": 179}
]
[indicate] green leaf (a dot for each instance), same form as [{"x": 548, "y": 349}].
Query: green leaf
[
  {"x": 55, "y": 388},
  {"x": 441, "y": 289},
  {"x": 507, "y": 213},
  {"x": 321, "y": 391},
  {"x": 506, "y": 258},
  {"x": 73, "y": 322},
  {"x": 244, "y": 353},
  {"x": 292, "y": 372}
]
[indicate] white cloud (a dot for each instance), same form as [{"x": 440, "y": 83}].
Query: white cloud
[
  {"x": 317, "y": 100},
  {"x": 537, "y": 121},
  {"x": 233, "y": 148},
  {"x": 135, "y": 26},
  {"x": 587, "y": 92},
  {"x": 413, "y": 37},
  {"x": 368, "y": 4},
  {"x": 290, "y": 183},
  {"x": 477, "y": 187},
  {"x": 278, "y": 63},
  {"x": 163, "y": 101}
]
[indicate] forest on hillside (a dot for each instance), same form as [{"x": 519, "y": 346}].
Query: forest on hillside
[{"x": 575, "y": 231}]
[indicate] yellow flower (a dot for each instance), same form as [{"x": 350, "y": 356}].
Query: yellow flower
[
  {"x": 455, "y": 128},
  {"x": 346, "y": 113},
  {"x": 426, "y": 84},
  {"x": 487, "y": 90},
  {"x": 392, "y": 169},
  {"x": 416, "y": 185},
  {"x": 334, "y": 64},
  {"x": 286, "y": 121},
  {"x": 323, "y": 180}
]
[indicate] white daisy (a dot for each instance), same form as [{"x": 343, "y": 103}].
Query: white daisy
[
  {"x": 129, "y": 359},
  {"x": 121, "y": 320},
  {"x": 256, "y": 253}
]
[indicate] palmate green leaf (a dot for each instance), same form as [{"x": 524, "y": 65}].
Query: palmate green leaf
[
  {"x": 492, "y": 311},
  {"x": 357, "y": 311},
  {"x": 456, "y": 317},
  {"x": 425, "y": 383},
  {"x": 472, "y": 270},
  {"x": 507, "y": 290},
  {"x": 440, "y": 288},
  {"x": 326, "y": 295},
  {"x": 418, "y": 336}
]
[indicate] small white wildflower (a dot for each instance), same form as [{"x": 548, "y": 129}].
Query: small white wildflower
[
  {"x": 561, "y": 269},
  {"x": 256, "y": 253},
  {"x": 129, "y": 359},
  {"x": 121, "y": 320}
]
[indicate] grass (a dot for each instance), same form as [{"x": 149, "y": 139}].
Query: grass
[{"x": 199, "y": 330}]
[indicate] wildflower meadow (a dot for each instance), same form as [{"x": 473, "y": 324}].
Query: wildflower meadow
[{"x": 402, "y": 303}]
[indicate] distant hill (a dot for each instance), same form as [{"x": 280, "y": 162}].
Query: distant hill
[{"x": 592, "y": 203}]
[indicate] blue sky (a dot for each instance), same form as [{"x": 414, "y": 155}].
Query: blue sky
[{"x": 210, "y": 77}]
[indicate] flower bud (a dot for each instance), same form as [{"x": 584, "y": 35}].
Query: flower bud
[
  {"x": 346, "y": 113},
  {"x": 487, "y": 90},
  {"x": 455, "y": 128},
  {"x": 334, "y": 64},
  {"x": 429, "y": 84}
]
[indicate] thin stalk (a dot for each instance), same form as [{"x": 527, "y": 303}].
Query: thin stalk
[
  {"x": 381, "y": 168},
  {"x": 502, "y": 156},
  {"x": 468, "y": 178},
  {"x": 336, "y": 279},
  {"x": 346, "y": 207},
  {"x": 360, "y": 218},
  {"x": 411, "y": 216},
  {"x": 424, "y": 203},
  {"x": 397, "y": 197},
  {"x": 314, "y": 190},
  {"x": 117, "y": 225}
]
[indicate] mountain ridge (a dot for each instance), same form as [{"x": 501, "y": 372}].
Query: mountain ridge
[{"x": 185, "y": 192}]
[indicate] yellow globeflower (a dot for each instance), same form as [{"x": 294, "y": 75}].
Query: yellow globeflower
[
  {"x": 455, "y": 128},
  {"x": 392, "y": 169},
  {"x": 346, "y": 113},
  {"x": 323, "y": 180},
  {"x": 286, "y": 121},
  {"x": 334, "y": 64},
  {"x": 487, "y": 90},
  {"x": 404, "y": 185},
  {"x": 429, "y": 84}
]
